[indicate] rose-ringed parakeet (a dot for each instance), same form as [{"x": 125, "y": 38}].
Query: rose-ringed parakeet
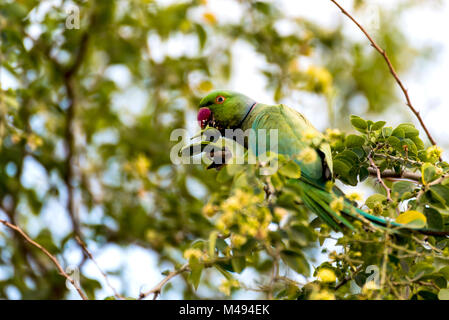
[{"x": 231, "y": 110}]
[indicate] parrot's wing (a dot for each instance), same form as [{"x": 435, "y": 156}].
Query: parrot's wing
[
  {"x": 302, "y": 123},
  {"x": 292, "y": 130}
]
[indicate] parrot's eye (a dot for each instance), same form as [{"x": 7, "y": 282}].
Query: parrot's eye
[{"x": 220, "y": 99}]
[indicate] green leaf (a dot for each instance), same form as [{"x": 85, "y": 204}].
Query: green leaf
[
  {"x": 445, "y": 272},
  {"x": 440, "y": 193},
  {"x": 386, "y": 132},
  {"x": 341, "y": 167},
  {"x": 402, "y": 187},
  {"x": 238, "y": 264},
  {"x": 296, "y": 261},
  {"x": 195, "y": 273},
  {"x": 408, "y": 129},
  {"x": 427, "y": 295},
  {"x": 418, "y": 142},
  {"x": 398, "y": 133},
  {"x": 411, "y": 147},
  {"x": 378, "y": 125},
  {"x": 359, "y": 152},
  {"x": 440, "y": 281},
  {"x": 353, "y": 141},
  {"x": 221, "y": 245},
  {"x": 363, "y": 174},
  {"x": 423, "y": 269},
  {"x": 358, "y": 123},
  {"x": 202, "y": 35},
  {"x": 350, "y": 156},
  {"x": 395, "y": 143},
  {"x": 291, "y": 170},
  {"x": 346, "y": 167},
  {"x": 428, "y": 172},
  {"x": 276, "y": 181},
  {"x": 434, "y": 219},
  {"x": 212, "y": 242},
  {"x": 225, "y": 273}
]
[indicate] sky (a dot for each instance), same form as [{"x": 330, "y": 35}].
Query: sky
[{"x": 427, "y": 87}]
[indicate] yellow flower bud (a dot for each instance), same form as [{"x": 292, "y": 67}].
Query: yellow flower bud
[
  {"x": 210, "y": 18},
  {"x": 34, "y": 141},
  {"x": 142, "y": 164},
  {"x": 337, "y": 204},
  {"x": 227, "y": 285},
  {"x": 193, "y": 253},
  {"x": 310, "y": 134},
  {"x": 433, "y": 153},
  {"x": 209, "y": 210},
  {"x": 333, "y": 133},
  {"x": 237, "y": 240},
  {"x": 354, "y": 196},
  {"x": 320, "y": 79}
]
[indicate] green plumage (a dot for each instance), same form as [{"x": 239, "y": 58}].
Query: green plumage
[
  {"x": 292, "y": 128},
  {"x": 295, "y": 135}
]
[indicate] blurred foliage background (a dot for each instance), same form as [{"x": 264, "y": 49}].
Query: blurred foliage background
[{"x": 86, "y": 115}]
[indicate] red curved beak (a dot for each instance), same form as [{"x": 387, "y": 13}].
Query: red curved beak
[{"x": 203, "y": 117}]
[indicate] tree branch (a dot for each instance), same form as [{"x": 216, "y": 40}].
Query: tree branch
[
  {"x": 392, "y": 71},
  {"x": 48, "y": 254},
  {"x": 348, "y": 278},
  {"x": 91, "y": 257},
  {"x": 379, "y": 178},
  {"x": 69, "y": 135},
  {"x": 392, "y": 174},
  {"x": 158, "y": 288}
]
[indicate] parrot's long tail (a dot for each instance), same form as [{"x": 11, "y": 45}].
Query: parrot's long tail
[{"x": 319, "y": 200}]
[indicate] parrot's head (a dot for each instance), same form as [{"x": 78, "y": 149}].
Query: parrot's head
[{"x": 224, "y": 109}]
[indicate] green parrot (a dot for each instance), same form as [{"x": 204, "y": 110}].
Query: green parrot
[{"x": 224, "y": 109}]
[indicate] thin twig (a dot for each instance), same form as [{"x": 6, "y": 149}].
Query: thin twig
[
  {"x": 426, "y": 243},
  {"x": 348, "y": 278},
  {"x": 69, "y": 131},
  {"x": 48, "y": 254},
  {"x": 426, "y": 187},
  {"x": 69, "y": 136},
  {"x": 158, "y": 288},
  {"x": 404, "y": 160},
  {"x": 379, "y": 177},
  {"x": 386, "y": 252},
  {"x": 386, "y": 174},
  {"x": 274, "y": 253},
  {"x": 392, "y": 71},
  {"x": 91, "y": 257}
]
